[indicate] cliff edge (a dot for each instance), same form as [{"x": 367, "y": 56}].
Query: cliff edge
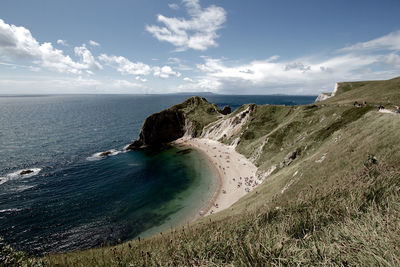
[{"x": 187, "y": 118}]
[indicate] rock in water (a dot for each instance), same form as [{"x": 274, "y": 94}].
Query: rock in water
[
  {"x": 25, "y": 172},
  {"x": 135, "y": 145},
  {"x": 105, "y": 153},
  {"x": 226, "y": 110}
]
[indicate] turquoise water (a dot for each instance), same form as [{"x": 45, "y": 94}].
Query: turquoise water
[{"x": 75, "y": 199}]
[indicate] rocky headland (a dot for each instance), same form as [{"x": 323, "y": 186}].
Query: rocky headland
[{"x": 187, "y": 118}]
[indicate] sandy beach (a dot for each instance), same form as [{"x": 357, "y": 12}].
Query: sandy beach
[{"x": 237, "y": 174}]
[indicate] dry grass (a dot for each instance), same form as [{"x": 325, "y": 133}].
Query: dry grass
[{"x": 355, "y": 222}]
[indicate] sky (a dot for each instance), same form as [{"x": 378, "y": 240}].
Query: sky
[{"x": 221, "y": 46}]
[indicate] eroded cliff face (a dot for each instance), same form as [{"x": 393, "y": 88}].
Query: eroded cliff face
[
  {"x": 161, "y": 128},
  {"x": 228, "y": 126},
  {"x": 185, "y": 119}
]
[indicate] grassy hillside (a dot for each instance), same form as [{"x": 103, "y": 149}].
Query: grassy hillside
[
  {"x": 200, "y": 112},
  {"x": 374, "y": 92},
  {"x": 331, "y": 199}
]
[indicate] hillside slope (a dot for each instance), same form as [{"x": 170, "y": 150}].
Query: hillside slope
[
  {"x": 330, "y": 191},
  {"x": 375, "y": 92}
]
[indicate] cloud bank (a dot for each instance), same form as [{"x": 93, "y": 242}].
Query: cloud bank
[
  {"x": 17, "y": 43},
  {"x": 375, "y": 59}
]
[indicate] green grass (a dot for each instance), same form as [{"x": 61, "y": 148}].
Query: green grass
[
  {"x": 375, "y": 92},
  {"x": 340, "y": 211},
  {"x": 200, "y": 112},
  {"x": 353, "y": 223},
  {"x": 347, "y": 117}
]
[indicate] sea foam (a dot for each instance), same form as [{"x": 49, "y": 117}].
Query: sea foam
[
  {"x": 98, "y": 156},
  {"x": 17, "y": 175},
  {"x": 10, "y": 210}
]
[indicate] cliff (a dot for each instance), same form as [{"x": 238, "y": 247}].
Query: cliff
[
  {"x": 160, "y": 128},
  {"x": 187, "y": 118},
  {"x": 325, "y": 96}
]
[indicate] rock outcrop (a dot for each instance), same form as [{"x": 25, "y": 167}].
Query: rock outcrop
[
  {"x": 227, "y": 127},
  {"x": 160, "y": 128},
  {"x": 226, "y": 110},
  {"x": 291, "y": 157},
  {"x": 185, "y": 119},
  {"x": 105, "y": 153},
  {"x": 24, "y": 172}
]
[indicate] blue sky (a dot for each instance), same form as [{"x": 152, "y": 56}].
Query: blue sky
[{"x": 222, "y": 46}]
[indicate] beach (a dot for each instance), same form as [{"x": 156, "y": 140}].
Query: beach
[{"x": 237, "y": 174}]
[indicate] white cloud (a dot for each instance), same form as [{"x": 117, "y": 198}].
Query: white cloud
[
  {"x": 16, "y": 66},
  {"x": 87, "y": 58},
  {"x": 17, "y": 43},
  {"x": 178, "y": 64},
  {"x": 35, "y": 69},
  {"x": 141, "y": 79},
  {"x": 62, "y": 42},
  {"x": 48, "y": 85},
  {"x": 71, "y": 85},
  {"x": 303, "y": 75},
  {"x": 393, "y": 59},
  {"x": 93, "y": 43},
  {"x": 173, "y": 6},
  {"x": 125, "y": 84},
  {"x": 125, "y": 66},
  {"x": 187, "y": 79},
  {"x": 297, "y": 65},
  {"x": 390, "y": 41},
  {"x": 201, "y": 85},
  {"x": 54, "y": 59},
  {"x": 165, "y": 72},
  {"x": 198, "y": 33}
]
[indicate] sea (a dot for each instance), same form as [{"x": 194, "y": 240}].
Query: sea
[{"x": 76, "y": 199}]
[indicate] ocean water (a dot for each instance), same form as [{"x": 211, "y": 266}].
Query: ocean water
[{"x": 75, "y": 199}]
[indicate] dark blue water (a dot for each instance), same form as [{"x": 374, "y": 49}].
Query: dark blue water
[{"x": 75, "y": 199}]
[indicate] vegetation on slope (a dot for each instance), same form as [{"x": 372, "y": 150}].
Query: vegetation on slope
[
  {"x": 173, "y": 123},
  {"x": 375, "y": 92},
  {"x": 336, "y": 202},
  {"x": 354, "y": 222},
  {"x": 200, "y": 112}
]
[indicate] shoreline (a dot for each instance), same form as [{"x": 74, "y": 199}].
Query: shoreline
[{"x": 237, "y": 174}]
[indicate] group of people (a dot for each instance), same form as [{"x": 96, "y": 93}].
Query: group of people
[
  {"x": 356, "y": 104},
  {"x": 380, "y": 107}
]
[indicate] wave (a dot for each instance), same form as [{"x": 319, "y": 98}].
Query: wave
[
  {"x": 104, "y": 154},
  {"x": 10, "y": 210},
  {"x": 20, "y": 174},
  {"x": 22, "y": 188}
]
